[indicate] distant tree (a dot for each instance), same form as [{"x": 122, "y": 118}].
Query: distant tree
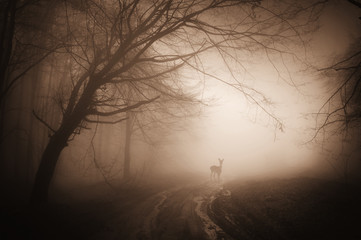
[
  {"x": 25, "y": 42},
  {"x": 176, "y": 104},
  {"x": 8, "y": 10},
  {"x": 25, "y": 45},
  {"x": 340, "y": 114},
  {"x": 159, "y": 117},
  {"x": 111, "y": 43},
  {"x": 341, "y": 111}
]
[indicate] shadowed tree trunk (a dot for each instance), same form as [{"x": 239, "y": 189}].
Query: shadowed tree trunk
[
  {"x": 58, "y": 141},
  {"x": 47, "y": 167},
  {"x": 6, "y": 38},
  {"x": 7, "y": 32},
  {"x": 51, "y": 154},
  {"x": 24, "y": 44},
  {"x": 71, "y": 125}
]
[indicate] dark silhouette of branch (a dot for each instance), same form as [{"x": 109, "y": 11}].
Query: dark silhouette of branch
[
  {"x": 121, "y": 110},
  {"x": 43, "y": 121},
  {"x": 105, "y": 122},
  {"x": 25, "y": 71}
]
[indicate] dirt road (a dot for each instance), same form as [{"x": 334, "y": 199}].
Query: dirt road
[
  {"x": 299, "y": 208},
  {"x": 274, "y": 209},
  {"x": 177, "y": 213}
]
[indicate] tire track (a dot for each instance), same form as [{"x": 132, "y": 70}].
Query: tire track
[
  {"x": 150, "y": 220},
  {"x": 182, "y": 213}
]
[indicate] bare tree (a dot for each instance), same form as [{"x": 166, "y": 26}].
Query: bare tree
[
  {"x": 340, "y": 114},
  {"x": 110, "y": 43},
  {"x": 176, "y": 104},
  {"x": 159, "y": 117},
  {"x": 24, "y": 39},
  {"x": 26, "y": 43},
  {"x": 341, "y": 111}
]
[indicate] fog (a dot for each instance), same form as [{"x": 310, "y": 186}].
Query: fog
[
  {"x": 180, "y": 119},
  {"x": 231, "y": 128},
  {"x": 264, "y": 129},
  {"x": 245, "y": 137}
]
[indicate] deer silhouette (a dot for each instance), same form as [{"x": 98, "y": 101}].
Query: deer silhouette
[{"x": 216, "y": 170}]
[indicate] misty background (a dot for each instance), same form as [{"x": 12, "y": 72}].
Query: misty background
[{"x": 225, "y": 125}]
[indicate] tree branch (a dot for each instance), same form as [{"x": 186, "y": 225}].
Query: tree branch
[
  {"x": 43, "y": 121},
  {"x": 110, "y": 113}
]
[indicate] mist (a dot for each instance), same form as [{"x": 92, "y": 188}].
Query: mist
[
  {"x": 230, "y": 127},
  {"x": 192, "y": 120}
]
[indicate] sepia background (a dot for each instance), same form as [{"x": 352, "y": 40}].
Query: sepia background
[{"x": 100, "y": 96}]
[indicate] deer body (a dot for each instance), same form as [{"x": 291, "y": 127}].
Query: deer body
[{"x": 216, "y": 170}]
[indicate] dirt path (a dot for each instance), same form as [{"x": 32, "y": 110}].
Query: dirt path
[
  {"x": 182, "y": 214},
  {"x": 177, "y": 213},
  {"x": 299, "y": 208}
]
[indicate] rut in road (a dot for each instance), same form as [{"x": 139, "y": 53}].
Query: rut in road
[{"x": 181, "y": 213}]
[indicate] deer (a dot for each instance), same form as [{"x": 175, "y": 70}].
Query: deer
[{"x": 216, "y": 170}]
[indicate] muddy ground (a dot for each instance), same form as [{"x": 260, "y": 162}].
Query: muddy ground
[
  {"x": 300, "y": 208},
  {"x": 195, "y": 208}
]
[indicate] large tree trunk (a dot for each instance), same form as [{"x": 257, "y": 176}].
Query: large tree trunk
[
  {"x": 6, "y": 38},
  {"x": 58, "y": 141},
  {"x": 47, "y": 167}
]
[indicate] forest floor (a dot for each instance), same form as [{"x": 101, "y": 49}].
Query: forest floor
[{"x": 194, "y": 208}]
